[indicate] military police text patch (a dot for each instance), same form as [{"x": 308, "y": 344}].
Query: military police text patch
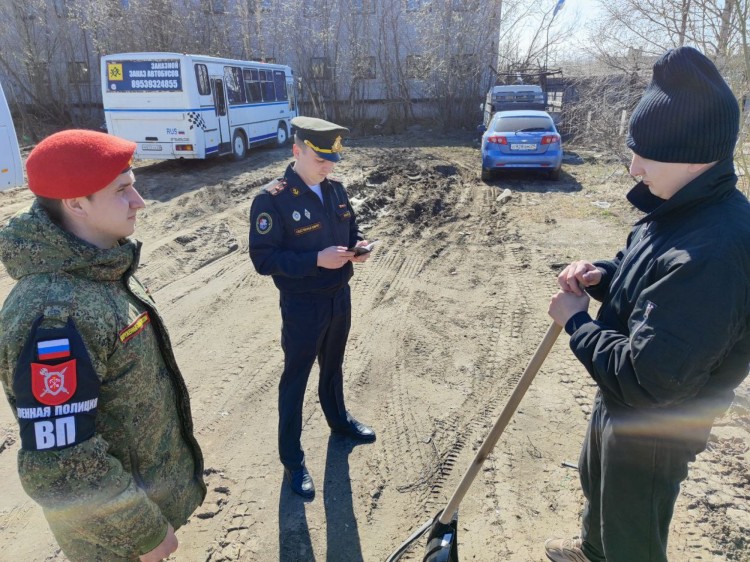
[
  {"x": 57, "y": 398},
  {"x": 263, "y": 223}
]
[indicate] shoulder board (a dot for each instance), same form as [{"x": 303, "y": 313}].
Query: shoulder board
[{"x": 276, "y": 187}]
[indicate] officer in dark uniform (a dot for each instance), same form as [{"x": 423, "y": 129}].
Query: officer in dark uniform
[{"x": 301, "y": 228}]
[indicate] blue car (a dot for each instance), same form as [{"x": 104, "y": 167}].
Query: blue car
[{"x": 521, "y": 139}]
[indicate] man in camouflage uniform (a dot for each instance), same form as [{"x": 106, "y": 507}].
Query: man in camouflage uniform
[{"x": 107, "y": 446}]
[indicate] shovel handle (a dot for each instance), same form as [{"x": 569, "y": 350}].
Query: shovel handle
[{"x": 502, "y": 421}]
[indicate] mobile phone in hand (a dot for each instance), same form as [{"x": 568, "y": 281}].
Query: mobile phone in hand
[{"x": 359, "y": 250}]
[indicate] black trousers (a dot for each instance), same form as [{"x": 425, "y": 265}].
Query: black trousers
[
  {"x": 631, "y": 474},
  {"x": 313, "y": 327}
]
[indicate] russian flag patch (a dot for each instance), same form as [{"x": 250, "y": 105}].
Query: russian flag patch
[{"x": 53, "y": 349}]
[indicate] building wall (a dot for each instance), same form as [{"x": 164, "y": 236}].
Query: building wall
[{"x": 344, "y": 52}]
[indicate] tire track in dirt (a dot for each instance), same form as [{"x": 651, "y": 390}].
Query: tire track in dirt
[
  {"x": 515, "y": 325},
  {"x": 239, "y": 540},
  {"x": 241, "y": 376},
  {"x": 244, "y": 372},
  {"x": 450, "y": 433},
  {"x": 389, "y": 322},
  {"x": 194, "y": 246},
  {"x": 527, "y": 461},
  {"x": 487, "y": 390}
]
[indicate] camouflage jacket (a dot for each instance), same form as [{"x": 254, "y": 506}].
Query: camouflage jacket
[{"x": 107, "y": 446}]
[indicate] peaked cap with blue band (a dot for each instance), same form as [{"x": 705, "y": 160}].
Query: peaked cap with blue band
[{"x": 322, "y": 136}]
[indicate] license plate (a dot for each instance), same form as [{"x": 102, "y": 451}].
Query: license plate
[
  {"x": 156, "y": 147},
  {"x": 523, "y": 147}
]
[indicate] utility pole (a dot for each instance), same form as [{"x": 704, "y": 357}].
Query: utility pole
[
  {"x": 546, "y": 44},
  {"x": 558, "y": 6},
  {"x": 499, "y": 33}
]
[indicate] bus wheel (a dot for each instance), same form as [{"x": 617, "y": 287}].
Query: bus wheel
[
  {"x": 281, "y": 136},
  {"x": 239, "y": 145}
]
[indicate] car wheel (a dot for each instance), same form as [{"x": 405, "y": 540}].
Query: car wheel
[
  {"x": 486, "y": 174},
  {"x": 281, "y": 135},
  {"x": 554, "y": 175},
  {"x": 239, "y": 145}
]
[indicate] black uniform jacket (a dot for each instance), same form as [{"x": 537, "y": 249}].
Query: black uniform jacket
[
  {"x": 289, "y": 226},
  {"x": 673, "y": 331}
]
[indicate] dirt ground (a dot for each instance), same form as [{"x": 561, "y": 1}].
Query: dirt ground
[{"x": 446, "y": 315}]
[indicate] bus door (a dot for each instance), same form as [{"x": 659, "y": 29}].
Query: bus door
[
  {"x": 220, "y": 105},
  {"x": 291, "y": 93}
]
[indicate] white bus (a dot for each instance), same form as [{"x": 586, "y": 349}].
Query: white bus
[
  {"x": 193, "y": 106},
  {"x": 11, "y": 169}
]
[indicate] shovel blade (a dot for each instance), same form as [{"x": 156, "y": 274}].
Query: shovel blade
[{"x": 442, "y": 542}]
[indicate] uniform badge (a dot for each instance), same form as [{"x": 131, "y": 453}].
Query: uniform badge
[
  {"x": 54, "y": 384},
  {"x": 134, "y": 328},
  {"x": 295, "y": 191},
  {"x": 56, "y": 400},
  {"x": 299, "y": 231},
  {"x": 263, "y": 223},
  {"x": 307, "y": 213},
  {"x": 53, "y": 349},
  {"x": 296, "y": 216}
]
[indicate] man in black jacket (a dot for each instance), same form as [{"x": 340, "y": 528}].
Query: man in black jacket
[
  {"x": 303, "y": 233},
  {"x": 671, "y": 340}
]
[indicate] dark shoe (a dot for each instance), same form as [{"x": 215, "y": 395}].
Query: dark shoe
[
  {"x": 301, "y": 482},
  {"x": 356, "y": 430}
]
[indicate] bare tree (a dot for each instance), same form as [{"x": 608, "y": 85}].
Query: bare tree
[
  {"x": 48, "y": 64},
  {"x": 455, "y": 47},
  {"x": 632, "y": 33}
]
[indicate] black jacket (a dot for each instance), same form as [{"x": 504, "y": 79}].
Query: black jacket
[
  {"x": 672, "y": 332},
  {"x": 289, "y": 225}
]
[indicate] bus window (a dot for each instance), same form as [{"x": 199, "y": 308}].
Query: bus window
[
  {"x": 233, "y": 80},
  {"x": 252, "y": 86},
  {"x": 266, "y": 78},
  {"x": 219, "y": 101},
  {"x": 201, "y": 78},
  {"x": 280, "y": 81}
]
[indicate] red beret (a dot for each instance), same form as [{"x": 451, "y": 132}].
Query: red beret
[{"x": 76, "y": 163}]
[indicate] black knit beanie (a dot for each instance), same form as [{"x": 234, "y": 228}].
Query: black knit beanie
[{"x": 687, "y": 114}]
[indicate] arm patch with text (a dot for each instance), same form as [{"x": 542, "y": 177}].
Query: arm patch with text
[{"x": 56, "y": 389}]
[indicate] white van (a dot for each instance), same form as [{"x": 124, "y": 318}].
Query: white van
[
  {"x": 11, "y": 169},
  {"x": 192, "y": 106}
]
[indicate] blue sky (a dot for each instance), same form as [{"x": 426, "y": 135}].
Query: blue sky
[{"x": 578, "y": 13}]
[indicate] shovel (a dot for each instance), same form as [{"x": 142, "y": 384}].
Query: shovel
[{"x": 442, "y": 543}]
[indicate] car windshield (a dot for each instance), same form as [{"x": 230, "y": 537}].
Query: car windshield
[{"x": 524, "y": 124}]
